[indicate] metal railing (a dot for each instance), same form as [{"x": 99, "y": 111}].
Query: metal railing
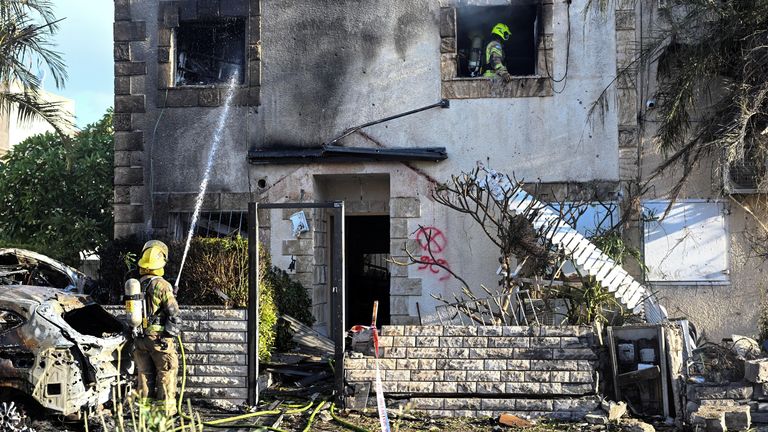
[{"x": 514, "y": 308}]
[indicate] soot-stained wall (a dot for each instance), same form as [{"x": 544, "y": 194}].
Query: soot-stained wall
[{"x": 317, "y": 67}]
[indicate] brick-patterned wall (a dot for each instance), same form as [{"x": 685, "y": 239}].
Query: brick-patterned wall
[
  {"x": 215, "y": 344},
  {"x": 484, "y": 371}
]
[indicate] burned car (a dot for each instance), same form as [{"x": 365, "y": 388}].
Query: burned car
[
  {"x": 24, "y": 267},
  {"x": 60, "y": 349}
]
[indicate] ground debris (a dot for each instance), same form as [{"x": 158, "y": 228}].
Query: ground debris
[
  {"x": 634, "y": 425},
  {"x": 614, "y": 410},
  {"x": 513, "y": 420}
]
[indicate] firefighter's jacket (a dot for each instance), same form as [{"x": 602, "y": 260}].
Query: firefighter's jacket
[
  {"x": 161, "y": 311},
  {"x": 494, "y": 59}
]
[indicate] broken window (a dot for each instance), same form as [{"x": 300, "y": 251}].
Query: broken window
[
  {"x": 210, "y": 52},
  {"x": 689, "y": 245},
  {"x": 473, "y": 34},
  {"x": 211, "y": 224}
]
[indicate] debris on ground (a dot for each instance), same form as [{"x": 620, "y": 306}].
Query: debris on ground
[
  {"x": 614, "y": 410},
  {"x": 635, "y": 425},
  {"x": 513, "y": 420}
]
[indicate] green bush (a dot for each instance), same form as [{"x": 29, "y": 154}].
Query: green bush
[
  {"x": 56, "y": 193},
  {"x": 215, "y": 273}
]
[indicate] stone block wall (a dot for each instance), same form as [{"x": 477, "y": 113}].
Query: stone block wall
[
  {"x": 215, "y": 345},
  {"x": 484, "y": 371}
]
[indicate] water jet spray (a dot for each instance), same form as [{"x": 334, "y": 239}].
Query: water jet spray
[{"x": 207, "y": 174}]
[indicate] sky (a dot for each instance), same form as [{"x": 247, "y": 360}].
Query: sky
[{"x": 85, "y": 41}]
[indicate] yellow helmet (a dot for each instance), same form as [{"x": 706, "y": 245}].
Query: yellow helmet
[
  {"x": 501, "y": 30},
  {"x": 154, "y": 255}
]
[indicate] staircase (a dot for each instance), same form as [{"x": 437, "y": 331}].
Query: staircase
[{"x": 585, "y": 256}]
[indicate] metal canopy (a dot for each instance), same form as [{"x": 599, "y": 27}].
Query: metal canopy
[
  {"x": 335, "y": 154},
  {"x": 336, "y": 210}
]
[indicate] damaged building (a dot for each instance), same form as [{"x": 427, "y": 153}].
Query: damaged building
[{"x": 308, "y": 74}]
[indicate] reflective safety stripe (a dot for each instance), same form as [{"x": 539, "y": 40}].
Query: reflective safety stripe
[{"x": 155, "y": 328}]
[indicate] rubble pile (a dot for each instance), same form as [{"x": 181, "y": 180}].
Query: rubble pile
[{"x": 728, "y": 387}]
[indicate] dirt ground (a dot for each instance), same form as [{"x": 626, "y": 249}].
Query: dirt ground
[{"x": 367, "y": 421}]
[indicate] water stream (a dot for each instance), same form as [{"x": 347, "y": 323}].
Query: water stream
[{"x": 206, "y": 176}]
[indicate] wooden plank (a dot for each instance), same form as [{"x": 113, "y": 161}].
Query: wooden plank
[{"x": 308, "y": 338}]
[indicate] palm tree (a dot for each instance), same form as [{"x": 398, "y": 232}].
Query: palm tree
[
  {"x": 719, "y": 50},
  {"x": 26, "y": 27}
]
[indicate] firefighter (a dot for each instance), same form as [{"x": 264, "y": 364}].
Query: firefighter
[
  {"x": 494, "y": 54},
  {"x": 157, "y": 363}
]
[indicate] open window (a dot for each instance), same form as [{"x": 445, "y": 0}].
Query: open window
[
  {"x": 210, "y": 52},
  {"x": 473, "y": 32}
]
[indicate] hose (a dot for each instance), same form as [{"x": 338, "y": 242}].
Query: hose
[
  {"x": 312, "y": 417},
  {"x": 345, "y": 423},
  {"x": 224, "y": 422}
]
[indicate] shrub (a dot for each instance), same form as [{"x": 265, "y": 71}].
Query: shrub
[{"x": 215, "y": 273}]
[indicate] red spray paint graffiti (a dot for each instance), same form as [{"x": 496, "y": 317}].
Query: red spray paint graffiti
[{"x": 432, "y": 242}]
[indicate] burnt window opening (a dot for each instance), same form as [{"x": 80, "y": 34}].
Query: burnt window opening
[
  {"x": 23, "y": 270},
  {"x": 473, "y": 33},
  {"x": 93, "y": 320},
  {"x": 211, "y": 224},
  {"x": 210, "y": 52}
]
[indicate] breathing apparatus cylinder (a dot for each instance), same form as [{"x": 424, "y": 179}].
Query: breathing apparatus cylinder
[
  {"x": 134, "y": 302},
  {"x": 475, "y": 55}
]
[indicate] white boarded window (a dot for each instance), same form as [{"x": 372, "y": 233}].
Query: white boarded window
[{"x": 689, "y": 245}]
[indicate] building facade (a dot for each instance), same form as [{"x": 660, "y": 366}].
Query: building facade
[{"x": 305, "y": 71}]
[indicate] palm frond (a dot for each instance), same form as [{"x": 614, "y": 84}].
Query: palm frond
[{"x": 30, "y": 106}]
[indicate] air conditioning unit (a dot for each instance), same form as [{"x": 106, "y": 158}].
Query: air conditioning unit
[{"x": 745, "y": 177}]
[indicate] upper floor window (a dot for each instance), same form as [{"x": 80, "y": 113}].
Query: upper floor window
[
  {"x": 210, "y": 52},
  {"x": 474, "y": 31},
  {"x": 523, "y": 49}
]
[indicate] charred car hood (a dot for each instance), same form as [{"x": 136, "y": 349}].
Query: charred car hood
[{"x": 65, "y": 353}]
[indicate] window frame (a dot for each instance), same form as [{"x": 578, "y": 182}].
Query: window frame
[
  {"x": 456, "y": 87},
  {"x": 171, "y": 14},
  {"x": 175, "y": 54}
]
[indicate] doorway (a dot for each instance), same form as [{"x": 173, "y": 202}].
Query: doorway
[{"x": 367, "y": 270}]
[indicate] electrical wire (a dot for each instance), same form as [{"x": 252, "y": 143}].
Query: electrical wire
[{"x": 564, "y": 78}]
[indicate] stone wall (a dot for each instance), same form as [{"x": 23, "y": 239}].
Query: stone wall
[
  {"x": 484, "y": 371},
  {"x": 215, "y": 344}
]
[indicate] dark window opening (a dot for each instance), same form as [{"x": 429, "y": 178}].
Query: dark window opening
[
  {"x": 53, "y": 389},
  {"x": 367, "y": 278},
  {"x": 210, "y": 52},
  {"x": 474, "y": 24}
]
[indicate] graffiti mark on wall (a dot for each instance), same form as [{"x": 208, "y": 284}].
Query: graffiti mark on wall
[
  {"x": 431, "y": 239},
  {"x": 433, "y": 243}
]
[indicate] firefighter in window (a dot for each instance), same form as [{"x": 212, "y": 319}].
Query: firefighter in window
[
  {"x": 494, "y": 54},
  {"x": 157, "y": 363}
]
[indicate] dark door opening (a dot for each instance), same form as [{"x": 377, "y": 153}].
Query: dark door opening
[{"x": 367, "y": 271}]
